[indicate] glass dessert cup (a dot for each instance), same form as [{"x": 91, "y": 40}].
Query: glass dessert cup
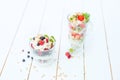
[
  {"x": 76, "y": 39},
  {"x": 77, "y": 22},
  {"x": 44, "y": 57},
  {"x": 43, "y": 47}
]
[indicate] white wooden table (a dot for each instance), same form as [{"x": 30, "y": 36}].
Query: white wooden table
[{"x": 21, "y": 19}]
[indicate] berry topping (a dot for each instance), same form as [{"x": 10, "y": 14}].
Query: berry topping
[
  {"x": 46, "y": 49},
  {"x": 42, "y": 37},
  {"x": 73, "y": 34},
  {"x": 32, "y": 46},
  {"x": 80, "y": 17},
  {"x": 82, "y": 25},
  {"x": 41, "y": 42},
  {"x": 78, "y": 36},
  {"x": 46, "y": 40},
  {"x": 72, "y": 27},
  {"x": 33, "y": 38},
  {"x": 68, "y": 55},
  {"x": 38, "y": 44}
]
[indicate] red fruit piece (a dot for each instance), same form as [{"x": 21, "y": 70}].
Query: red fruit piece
[
  {"x": 32, "y": 46},
  {"x": 45, "y": 48},
  {"x": 72, "y": 27},
  {"x": 73, "y": 34},
  {"x": 41, "y": 42},
  {"x": 82, "y": 25},
  {"x": 78, "y": 36},
  {"x": 68, "y": 55},
  {"x": 80, "y": 17},
  {"x": 46, "y": 40}
]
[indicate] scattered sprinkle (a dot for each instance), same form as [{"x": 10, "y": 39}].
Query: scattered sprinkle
[
  {"x": 23, "y": 60},
  {"x": 23, "y": 50},
  {"x": 28, "y": 52},
  {"x": 32, "y": 58},
  {"x": 71, "y": 50},
  {"x": 28, "y": 56}
]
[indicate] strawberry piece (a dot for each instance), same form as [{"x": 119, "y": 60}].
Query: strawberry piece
[
  {"x": 78, "y": 36},
  {"x": 68, "y": 55},
  {"x": 82, "y": 25},
  {"x": 41, "y": 42},
  {"x": 46, "y": 40},
  {"x": 80, "y": 17},
  {"x": 72, "y": 27},
  {"x": 32, "y": 46},
  {"x": 45, "y": 48},
  {"x": 73, "y": 34}
]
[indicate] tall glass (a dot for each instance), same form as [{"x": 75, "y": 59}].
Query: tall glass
[{"x": 77, "y": 29}]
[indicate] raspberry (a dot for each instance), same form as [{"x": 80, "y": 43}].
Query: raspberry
[{"x": 68, "y": 55}]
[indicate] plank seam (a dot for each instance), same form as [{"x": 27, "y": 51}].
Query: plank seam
[
  {"x": 106, "y": 39},
  {"x": 59, "y": 46},
  {"x": 29, "y": 70},
  {"x": 84, "y": 65}
]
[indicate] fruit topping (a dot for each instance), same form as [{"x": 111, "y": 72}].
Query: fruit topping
[{"x": 68, "y": 55}]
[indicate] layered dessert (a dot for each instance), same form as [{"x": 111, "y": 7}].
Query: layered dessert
[
  {"x": 43, "y": 44},
  {"x": 77, "y": 28}
]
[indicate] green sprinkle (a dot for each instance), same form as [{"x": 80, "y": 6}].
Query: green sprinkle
[{"x": 71, "y": 50}]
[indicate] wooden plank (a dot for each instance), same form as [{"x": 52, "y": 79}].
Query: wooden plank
[
  {"x": 14, "y": 67},
  {"x": 111, "y": 18},
  {"x": 10, "y": 15},
  {"x": 96, "y": 57}
]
